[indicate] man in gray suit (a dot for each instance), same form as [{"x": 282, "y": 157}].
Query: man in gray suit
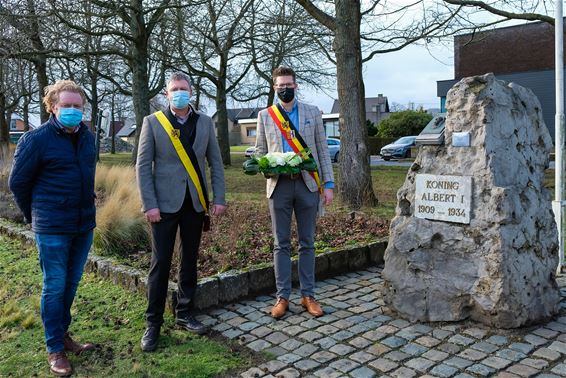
[
  {"x": 173, "y": 201},
  {"x": 288, "y": 194}
]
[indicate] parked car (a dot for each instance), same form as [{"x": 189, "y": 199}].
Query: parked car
[
  {"x": 333, "y": 148},
  {"x": 401, "y": 148},
  {"x": 249, "y": 151}
]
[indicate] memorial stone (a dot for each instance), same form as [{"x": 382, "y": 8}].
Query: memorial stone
[{"x": 474, "y": 235}]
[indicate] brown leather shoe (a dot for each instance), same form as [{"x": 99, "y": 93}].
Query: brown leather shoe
[
  {"x": 59, "y": 364},
  {"x": 279, "y": 308},
  {"x": 74, "y": 347},
  {"x": 312, "y": 306}
]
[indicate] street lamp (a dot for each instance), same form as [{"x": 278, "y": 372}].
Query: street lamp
[{"x": 559, "y": 131}]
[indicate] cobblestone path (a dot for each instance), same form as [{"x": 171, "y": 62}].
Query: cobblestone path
[{"x": 358, "y": 337}]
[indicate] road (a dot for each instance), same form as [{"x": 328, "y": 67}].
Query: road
[{"x": 378, "y": 161}]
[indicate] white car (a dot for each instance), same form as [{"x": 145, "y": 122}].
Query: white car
[
  {"x": 333, "y": 148},
  {"x": 249, "y": 152}
]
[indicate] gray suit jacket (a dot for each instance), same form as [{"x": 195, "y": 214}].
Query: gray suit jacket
[
  {"x": 163, "y": 179},
  {"x": 268, "y": 139}
]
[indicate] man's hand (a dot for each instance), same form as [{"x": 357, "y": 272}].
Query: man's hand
[
  {"x": 218, "y": 209},
  {"x": 328, "y": 195},
  {"x": 153, "y": 215}
]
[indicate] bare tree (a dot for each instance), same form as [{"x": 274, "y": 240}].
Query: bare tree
[
  {"x": 355, "y": 184},
  {"x": 24, "y": 37},
  {"x": 13, "y": 91},
  {"x": 210, "y": 46},
  {"x": 129, "y": 30},
  {"x": 283, "y": 33},
  {"x": 377, "y": 29}
]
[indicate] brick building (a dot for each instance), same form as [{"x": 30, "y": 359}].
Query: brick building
[{"x": 523, "y": 54}]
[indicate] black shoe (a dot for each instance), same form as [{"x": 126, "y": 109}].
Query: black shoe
[
  {"x": 189, "y": 323},
  {"x": 149, "y": 339}
]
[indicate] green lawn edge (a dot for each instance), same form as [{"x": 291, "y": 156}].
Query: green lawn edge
[{"x": 106, "y": 315}]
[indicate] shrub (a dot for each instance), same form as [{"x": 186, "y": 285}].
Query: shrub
[
  {"x": 121, "y": 228},
  {"x": 407, "y": 122},
  {"x": 372, "y": 129}
]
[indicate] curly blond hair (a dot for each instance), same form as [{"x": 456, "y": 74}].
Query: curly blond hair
[{"x": 52, "y": 92}]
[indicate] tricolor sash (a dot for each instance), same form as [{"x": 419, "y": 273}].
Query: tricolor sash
[
  {"x": 188, "y": 162},
  {"x": 292, "y": 136}
]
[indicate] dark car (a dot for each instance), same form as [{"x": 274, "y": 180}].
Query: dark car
[{"x": 401, "y": 148}]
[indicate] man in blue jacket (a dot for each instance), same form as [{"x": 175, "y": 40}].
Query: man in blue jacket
[{"x": 52, "y": 180}]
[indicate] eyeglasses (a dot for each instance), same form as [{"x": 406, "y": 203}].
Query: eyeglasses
[{"x": 283, "y": 86}]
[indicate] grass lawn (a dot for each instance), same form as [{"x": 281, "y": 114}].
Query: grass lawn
[
  {"x": 239, "y": 148},
  {"x": 104, "y": 314},
  {"x": 124, "y": 158}
]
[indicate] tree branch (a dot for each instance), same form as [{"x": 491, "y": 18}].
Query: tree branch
[
  {"x": 318, "y": 14},
  {"x": 502, "y": 13}
]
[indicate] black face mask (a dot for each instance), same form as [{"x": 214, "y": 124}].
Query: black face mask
[{"x": 286, "y": 94}]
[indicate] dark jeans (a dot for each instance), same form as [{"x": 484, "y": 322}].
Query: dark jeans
[
  {"x": 62, "y": 258},
  {"x": 189, "y": 223}
]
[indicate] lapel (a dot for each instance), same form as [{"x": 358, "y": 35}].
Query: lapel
[{"x": 302, "y": 118}]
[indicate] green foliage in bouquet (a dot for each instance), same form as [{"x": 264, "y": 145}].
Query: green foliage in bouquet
[{"x": 278, "y": 163}]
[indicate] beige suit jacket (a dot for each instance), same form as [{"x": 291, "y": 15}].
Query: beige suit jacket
[{"x": 268, "y": 139}]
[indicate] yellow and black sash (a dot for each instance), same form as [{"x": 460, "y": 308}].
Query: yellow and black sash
[
  {"x": 292, "y": 136},
  {"x": 188, "y": 158}
]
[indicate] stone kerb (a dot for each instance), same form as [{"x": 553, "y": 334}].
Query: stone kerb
[
  {"x": 225, "y": 287},
  {"x": 474, "y": 235}
]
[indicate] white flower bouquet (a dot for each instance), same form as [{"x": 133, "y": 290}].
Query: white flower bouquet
[{"x": 277, "y": 163}]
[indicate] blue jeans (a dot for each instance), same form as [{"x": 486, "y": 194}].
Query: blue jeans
[{"x": 62, "y": 258}]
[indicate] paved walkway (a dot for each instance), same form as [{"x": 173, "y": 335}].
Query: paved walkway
[{"x": 356, "y": 338}]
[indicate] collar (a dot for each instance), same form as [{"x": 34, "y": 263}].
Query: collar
[
  {"x": 295, "y": 106},
  {"x": 65, "y": 128},
  {"x": 185, "y": 117}
]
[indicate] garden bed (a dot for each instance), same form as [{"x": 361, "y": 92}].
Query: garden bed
[{"x": 243, "y": 238}]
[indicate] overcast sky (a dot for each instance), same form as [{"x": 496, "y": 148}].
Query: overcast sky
[{"x": 405, "y": 76}]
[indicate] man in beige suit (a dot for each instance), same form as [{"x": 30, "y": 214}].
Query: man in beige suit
[
  {"x": 172, "y": 201},
  {"x": 288, "y": 194}
]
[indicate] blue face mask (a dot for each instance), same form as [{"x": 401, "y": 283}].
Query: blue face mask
[
  {"x": 180, "y": 99},
  {"x": 70, "y": 117}
]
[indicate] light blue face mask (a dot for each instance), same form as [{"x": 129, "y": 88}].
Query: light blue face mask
[
  {"x": 180, "y": 99},
  {"x": 70, "y": 117}
]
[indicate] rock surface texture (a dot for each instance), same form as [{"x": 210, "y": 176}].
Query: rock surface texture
[{"x": 500, "y": 268}]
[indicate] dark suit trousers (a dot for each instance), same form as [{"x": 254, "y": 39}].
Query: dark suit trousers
[{"x": 189, "y": 223}]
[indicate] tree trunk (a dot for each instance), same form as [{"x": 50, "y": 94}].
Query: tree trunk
[
  {"x": 140, "y": 90},
  {"x": 4, "y": 130},
  {"x": 93, "y": 103},
  {"x": 270, "y": 96},
  {"x": 40, "y": 65},
  {"x": 25, "y": 111},
  {"x": 354, "y": 185},
  {"x": 113, "y": 127},
  {"x": 222, "y": 121}
]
